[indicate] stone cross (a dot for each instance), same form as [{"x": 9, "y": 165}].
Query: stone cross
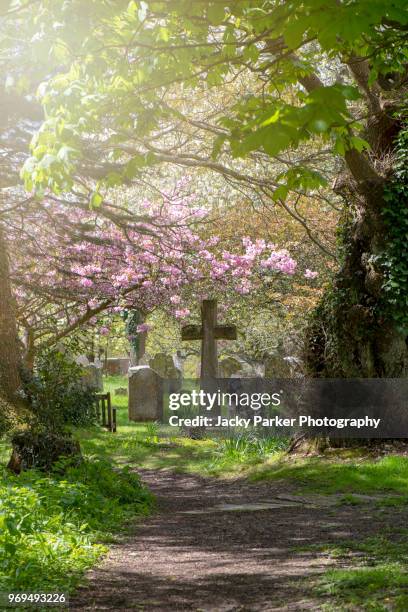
[{"x": 209, "y": 332}]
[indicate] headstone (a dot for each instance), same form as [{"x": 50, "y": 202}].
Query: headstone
[
  {"x": 277, "y": 366},
  {"x": 117, "y": 366},
  {"x": 178, "y": 361},
  {"x": 93, "y": 377},
  {"x": 228, "y": 366},
  {"x": 145, "y": 394},
  {"x": 82, "y": 360},
  {"x": 163, "y": 364}
]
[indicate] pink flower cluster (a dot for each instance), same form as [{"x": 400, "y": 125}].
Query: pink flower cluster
[{"x": 159, "y": 261}]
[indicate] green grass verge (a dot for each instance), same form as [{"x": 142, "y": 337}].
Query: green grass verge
[
  {"x": 322, "y": 475},
  {"x": 377, "y": 579},
  {"x": 155, "y": 447}
]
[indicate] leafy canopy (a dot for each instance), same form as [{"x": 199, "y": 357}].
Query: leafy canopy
[{"x": 121, "y": 65}]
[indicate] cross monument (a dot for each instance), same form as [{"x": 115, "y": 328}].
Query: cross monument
[{"x": 209, "y": 332}]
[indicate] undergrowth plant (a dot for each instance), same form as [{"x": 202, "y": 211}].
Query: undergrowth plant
[{"x": 52, "y": 526}]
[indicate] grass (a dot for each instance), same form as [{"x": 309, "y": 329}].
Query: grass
[
  {"x": 377, "y": 580},
  {"x": 364, "y": 475},
  {"x": 155, "y": 447},
  {"x": 53, "y": 527},
  {"x": 347, "y": 472}
]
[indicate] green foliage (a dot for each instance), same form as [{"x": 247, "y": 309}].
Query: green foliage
[
  {"x": 50, "y": 525},
  {"x": 111, "y": 76},
  {"x": 394, "y": 259},
  {"x": 246, "y": 448},
  {"x": 8, "y": 416},
  {"x": 367, "y": 586},
  {"x": 58, "y": 393}
]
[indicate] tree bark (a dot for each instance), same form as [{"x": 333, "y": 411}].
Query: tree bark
[
  {"x": 10, "y": 358},
  {"x": 350, "y": 335}
]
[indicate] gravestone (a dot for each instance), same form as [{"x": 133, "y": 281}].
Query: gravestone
[
  {"x": 82, "y": 360},
  {"x": 178, "y": 361},
  {"x": 228, "y": 366},
  {"x": 115, "y": 366},
  {"x": 249, "y": 369},
  {"x": 145, "y": 394},
  {"x": 209, "y": 332},
  {"x": 163, "y": 364},
  {"x": 93, "y": 377}
]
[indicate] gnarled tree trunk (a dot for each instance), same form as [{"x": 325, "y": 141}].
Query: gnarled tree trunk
[
  {"x": 356, "y": 330},
  {"x": 10, "y": 359}
]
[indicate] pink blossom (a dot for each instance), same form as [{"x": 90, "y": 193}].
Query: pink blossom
[
  {"x": 104, "y": 331},
  {"x": 182, "y": 313},
  {"x": 175, "y": 299},
  {"x": 310, "y": 273}
]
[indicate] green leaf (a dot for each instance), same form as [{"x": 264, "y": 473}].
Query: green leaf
[
  {"x": 280, "y": 193},
  {"x": 250, "y": 53},
  {"x": 293, "y": 33},
  {"x": 276, "y": 138},
  {"x": 216, "y": 13},
  {"x": 95, "y": 200}
]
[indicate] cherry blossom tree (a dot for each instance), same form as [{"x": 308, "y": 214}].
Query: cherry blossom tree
[{"x": 75, "y": 266}]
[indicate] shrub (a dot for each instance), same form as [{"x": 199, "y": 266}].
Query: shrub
[{"x": 58, "y": 393}]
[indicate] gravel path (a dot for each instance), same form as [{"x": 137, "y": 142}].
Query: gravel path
[{"x": 203, "y": 551}]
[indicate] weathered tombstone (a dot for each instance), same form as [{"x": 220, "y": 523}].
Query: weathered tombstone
[
  {"x": 115, "y": 366},
  {"x": 163, "y": 365},
  {"x": 93, "y": 377},
  {"x": 178, "y": 361},
  {"x": 228, "y": 366},
  {"x": 209, "y": 332},
  {"x": 145, "y": 394},
  {"x": 249, "y": 369},
  {"x": 82, "y": 360}
]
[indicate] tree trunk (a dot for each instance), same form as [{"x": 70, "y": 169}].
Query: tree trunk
[
  {"x": 359, "y": 329},
  {"x": 10, "y": 359},
  {"x": 352, "y": 333}
]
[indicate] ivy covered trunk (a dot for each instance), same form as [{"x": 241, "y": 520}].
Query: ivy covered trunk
[{"x": 359, "y": 329}]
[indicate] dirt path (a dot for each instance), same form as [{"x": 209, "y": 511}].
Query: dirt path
[{"x": 202, "y": 551}]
